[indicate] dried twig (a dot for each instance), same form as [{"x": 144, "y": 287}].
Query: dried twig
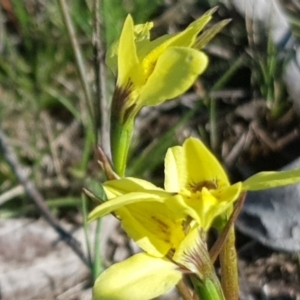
[
  {"x": 101, "y": 101},
  {"x": 78, "y": 55},
  {"x": 32, "y": 192}
]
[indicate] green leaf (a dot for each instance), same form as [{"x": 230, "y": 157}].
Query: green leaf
[{"x": 267, "y": 180}]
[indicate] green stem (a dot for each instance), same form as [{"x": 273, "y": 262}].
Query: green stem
[
  {"x": 120, "y": 143},
  {"x": 86, "y": 229},
  {"x": 97, "y": 266},
  {"x": 209, "y": 288}
]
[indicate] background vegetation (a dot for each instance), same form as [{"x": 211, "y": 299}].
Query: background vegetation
[{"x": 48, "y": 112}]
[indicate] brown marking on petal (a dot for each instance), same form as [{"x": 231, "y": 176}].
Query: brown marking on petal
[
  {"x": 164, "y": 227},
  {"x": 119, "y": 99},
  {"x": 129, "y": 112},
  {"x": 210, "y": 185},
  {"x": 198, "y": 256}
]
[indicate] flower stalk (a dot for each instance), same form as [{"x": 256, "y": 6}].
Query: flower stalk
[
  {"x": 120, "y": 143},
  {"x": 229, "y": 268}
]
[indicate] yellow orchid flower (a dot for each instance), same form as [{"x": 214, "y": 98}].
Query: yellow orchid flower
[
  {"x": 163, "y": 222},
  {"x": 193, "y": 172},
  {"x": 196, "y": 188},
  {"x": 150, "y": 72},
  {"x": 143, "y": 277},
  {"x": 157, "y": 219}
]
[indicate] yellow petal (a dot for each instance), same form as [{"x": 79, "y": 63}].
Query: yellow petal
[
  {"x": 153, "y": 226},
  {"x": 185, "y": 38},
  {"x": 226, "y": 197},
  {"x": 228, "y": 194},
  {"x": 114, "y": 188},
  {"x": 129, "y": 68},
  {"x": 205, "y": 206},
  {"x": 175, "y": 71},
  {"x": 188, "y": 36},
  {"x": 202, "y": 165},
  {"x": 145, "y": 47},
  {"x": 141, "y": 35},
  {"x": 175, "y": 169},
  {"x": 216, "y": 202},
  {"x": 130, "y": 198},
  {"x": 267, "y": 180},
  {"x": 194, "y": 164},
  {"x": 141, "y": 277}
]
